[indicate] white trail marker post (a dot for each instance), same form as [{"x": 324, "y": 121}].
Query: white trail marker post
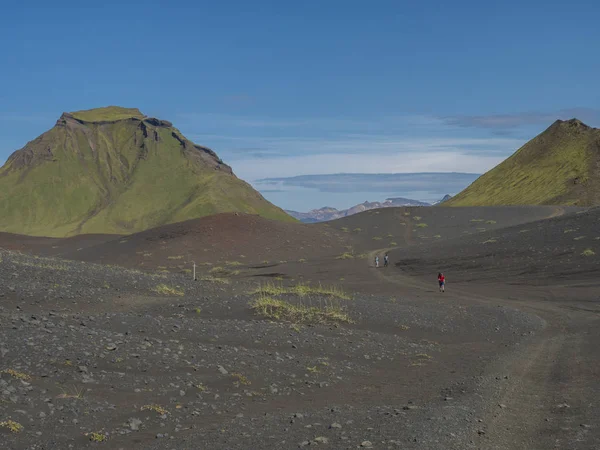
[{"x": 194, "y": 270}]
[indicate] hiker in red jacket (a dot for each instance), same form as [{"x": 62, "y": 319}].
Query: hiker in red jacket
[{"x": 442, "y": 281}]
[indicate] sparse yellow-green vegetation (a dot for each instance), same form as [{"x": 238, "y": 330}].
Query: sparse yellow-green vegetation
[
  {"x": 201, "y": 387},
  {"x": 345, "y": 229},
  {"x": 489, "y": 241},
  {"x": 377, "y": 238},
  {"x": 345, "y": 255},
  {"x": 198, "y": 310},
  {"x": 17, "y": 375},
  {"x": 313, "y": 369},
  {"x": 324, "y": 311},
  {"x": 233, "y": 263},
  {"x": 588, "y": 252},
  {"x": 569, "y": 230},
  {"x": 73, "y": 392},
  {"x": 302, "y": 260},
  {"x": 490, "y": 222},
  {"x": 156, "y": 408},
  {"x": 421, "y": 225},
  {"x": 12, "y": 426},
  {"x": 223, "y": 272},
  {"x": 357, "y": 230},
  {"x": 417, "y": 218},
  {"x": 96, "y": 436},
  {"x": 437, "y": 236},
  {"x": 578, "y": 238},
  {"x": 168, "y": 290},
  {"x": 301, "y": 290},
  {"x": 174, "y": 257},
  {"x": 477, "y": 220},
  {"x": 393, "y": 244},
  {"x": 241, "y": 379}
]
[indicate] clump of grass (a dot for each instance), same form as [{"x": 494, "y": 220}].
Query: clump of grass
[
  {"x": 241, "y": 379},
  {"x": 377, "y": 238},
  {"x": 477, "y": 220},
  {"x": 301, "y": 290},
  {"x": 569, "y": 230},
  {"x": 357, "y": 230},
  {"x": 233, "y": 263},
  {"x": 281, "y": 310},
  {"x": 345, "y": 255},
  {"x": 75, "y": 392},
  {"x": 174, "y": 257},
  {"x": 345, "y": 229},
  {"x": 588, "y": 252},
  {"x": 393, "y": 244},
  {"x": 201, "y": 387},
  {"x": 489, "y": 241},
  {"x": 313, "y": 369},
  {"x": 198, "y": 310},
  {"x": 578, "y": 238},
  {"x": 17, "y": 375},
  {"x": 421, "y": 225},
  {"x": 438, "y": 236},
  {"x": 168, "y": 290},
  {"x": 156, "y": 408},
  {"x": 12, "y": 426},
  {"x": 417, "y": 218},
  {"x": 218, "y": 270},
  {"x": 490, "y": 222},
  {"x": 523, "y": 231},
  {"x": 407, "y": 213},
  {"x": 97, "y": 436},
  {"x": 302, "y": 260}
]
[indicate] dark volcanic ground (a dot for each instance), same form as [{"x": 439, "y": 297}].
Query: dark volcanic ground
[{"x": 94, "y": 352}]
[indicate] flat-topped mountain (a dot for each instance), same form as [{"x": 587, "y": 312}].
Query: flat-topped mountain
[
  {"x": 561, "y": 166},
  {"x": 115, "y": 170}
]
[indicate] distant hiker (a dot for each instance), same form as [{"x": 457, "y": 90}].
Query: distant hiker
[
  {"x": 377, "y": 261},
  {"x": 442, "y": 281},
  {"x": 386, "y": 260}
]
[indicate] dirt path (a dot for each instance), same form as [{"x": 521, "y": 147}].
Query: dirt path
[{"x": 549, "y": 397}]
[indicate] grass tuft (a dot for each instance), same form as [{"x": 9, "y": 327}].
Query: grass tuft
[
  {"x": 588, "y": 252},
  {"x": 281, "y": 310},
  {"x": 345, "y": 255},
  {"x": 156, "y": 408},
  {"x": 17, "y": 375},
  {"x": 168, "y": 290},
  {"x": 301, "y": 290},
  {"x": 421, "y": 225},
  {"x": 12, "y": 426}
]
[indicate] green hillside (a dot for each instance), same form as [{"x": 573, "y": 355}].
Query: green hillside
[
  {"x": 113, "y": 170},
  {"x": 561, "y": 166}
]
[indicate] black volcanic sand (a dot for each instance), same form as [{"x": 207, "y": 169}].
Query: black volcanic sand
[{"x": 496, "y": 362}]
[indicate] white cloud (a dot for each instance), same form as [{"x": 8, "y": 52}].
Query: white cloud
[{"x": 327, "y": 163}]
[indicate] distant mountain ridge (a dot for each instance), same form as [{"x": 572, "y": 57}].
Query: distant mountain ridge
[
  {"x": 560, "y": 166},
  {"x": 328, "y": 213},
  {"x": 114, "y": 170}
]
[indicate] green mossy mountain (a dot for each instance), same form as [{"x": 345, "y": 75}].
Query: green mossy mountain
[
  {"x": 114, "y": 170},
  {"x": 561, "y": 166}
]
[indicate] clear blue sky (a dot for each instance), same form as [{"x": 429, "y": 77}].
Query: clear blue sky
[{"x": 282, "y": 88}]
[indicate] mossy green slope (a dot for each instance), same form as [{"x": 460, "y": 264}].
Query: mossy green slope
[
  {"x": 561, "y": 166},
  {"x": 113, "y": 170}
]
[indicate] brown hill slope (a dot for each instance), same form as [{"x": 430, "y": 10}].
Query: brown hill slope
[
  {"x": 561, "y": 166},
  {"x": 228, "y": 239},
  {"x": 115, "y": 171}
]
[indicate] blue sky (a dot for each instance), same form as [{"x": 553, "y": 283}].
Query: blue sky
[{"x": 315, "y": 87}]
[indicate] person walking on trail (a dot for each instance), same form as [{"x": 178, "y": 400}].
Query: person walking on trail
[
  {"x": 442, "y": 281},
  {"x": 386, "y": 260},
  {"x": 377, "y": 261}
]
